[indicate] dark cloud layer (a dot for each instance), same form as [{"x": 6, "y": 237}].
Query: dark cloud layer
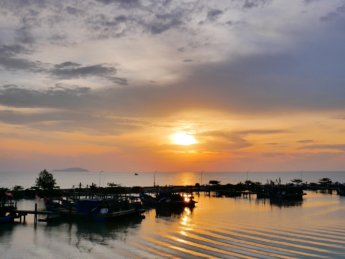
[
  {"x": 68, "y": 70},
  {"x": 252, "y": 85},
  {"x": 248, "y": 4},
  {"x": 123, "y": 3},
  {"x": 10, "y": 61},
  {"x": 338, "y": 12},
  {"x": 214, "y": 14}
]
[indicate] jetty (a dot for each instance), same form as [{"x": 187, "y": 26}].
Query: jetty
[{"x": 21, "y": 214}]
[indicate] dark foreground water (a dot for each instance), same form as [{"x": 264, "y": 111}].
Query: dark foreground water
[{"x": 217, "y": 227}]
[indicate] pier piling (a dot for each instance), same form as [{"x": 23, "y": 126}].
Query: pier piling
[{"x": 35, "y": 217}]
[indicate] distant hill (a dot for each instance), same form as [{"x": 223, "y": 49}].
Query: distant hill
[{"x": 72, "y": 169}]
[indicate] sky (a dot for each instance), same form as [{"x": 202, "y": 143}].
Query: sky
[{"x": 183, "y": 85}]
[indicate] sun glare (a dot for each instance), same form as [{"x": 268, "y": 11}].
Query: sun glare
[{"x": 183, "y": 139}]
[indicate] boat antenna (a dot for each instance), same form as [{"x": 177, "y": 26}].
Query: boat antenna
[
  {"x": 154, "y": 179},
  {"x": 100, "y": 178}
]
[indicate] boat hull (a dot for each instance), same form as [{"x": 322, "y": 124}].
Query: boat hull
[{"x": 6, "y": 219}]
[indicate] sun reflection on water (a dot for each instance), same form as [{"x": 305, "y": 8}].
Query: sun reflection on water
[{"x": 186, "y": 221}]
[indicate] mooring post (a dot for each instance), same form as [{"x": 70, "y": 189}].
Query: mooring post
[{"x": 35, "y": 218}]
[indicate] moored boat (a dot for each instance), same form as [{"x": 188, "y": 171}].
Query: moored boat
[
  {"x": 7, "y": 211},
  {"x": 168, "y": 199},
  {"x": 94, "y": 209},
  {"x": 341, "y": 190},
  {"x": 280, "y": 192}
]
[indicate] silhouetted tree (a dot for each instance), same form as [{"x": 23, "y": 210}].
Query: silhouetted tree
[
  {"x": 45, "y": 180},
  {"x": 17, "y": 188}
]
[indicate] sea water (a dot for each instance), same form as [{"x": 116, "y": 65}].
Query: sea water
[
  {"x": 215, "y": 228},
  {"x": 70, "y": 179}
]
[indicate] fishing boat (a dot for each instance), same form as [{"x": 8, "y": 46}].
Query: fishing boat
[
  {"x": 280, "y": 192},
  {"x": 286, "y": 193},
  {"x": 94, "y": 209},
  {"x": 170, "y": 199},
  {"x": 341, "y": 190},
  {"x": 7, "y": 211}
]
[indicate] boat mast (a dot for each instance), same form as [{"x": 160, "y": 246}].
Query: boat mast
[{"x": 154, "y": 179}]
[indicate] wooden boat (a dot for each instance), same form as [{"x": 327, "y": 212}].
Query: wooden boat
[
  {"x": 94, "y": 209},
  {"x": 341, "y": 190},
  {"x": 168, "y": 199},
  {"x": 7, "y": 211},
  {"x": 286, "y": 193},
  {"x": 6, "y": 219},
  {"x": 280, "y": 192}
]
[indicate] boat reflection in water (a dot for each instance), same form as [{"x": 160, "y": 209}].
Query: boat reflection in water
[
  {"x": 279, "y": 202},
  {"x": 168, "y": 200},
  {"x": 286, "y": 203},
  {"x": 172, "y": 211},
  {"x": 96, "y": 232},
  {"x": 85, "y": 238}
]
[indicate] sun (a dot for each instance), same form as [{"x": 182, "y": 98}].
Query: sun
[{"x": 183, "y": 139}]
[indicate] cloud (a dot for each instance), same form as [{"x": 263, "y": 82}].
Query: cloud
[
  {"x": 251, "y": 85},
  {"x": 118, "y": 80},
  {"x": 67, "y": 65},
  {"x": 261, "y": 132},
  {"x": 152, "y": 18},
  {"x": 74, "y": 11},
  {"x": 338, "y": 147},
  {"x": 10, "y": 61},
  {"x": 248, "y": 4},
  {"x": 305, "y": 141},
  {"x": 214, "y": 14},
  {"x": 233, "y": 140},
  {"x": 271, "y": 83},
  {"x": 67, "y": 120},
  {"x": 340, "y": 10},
  {"x": 111, "y": 26},
  {"x": 165, "y": 22},
  {"x": 69, "y": 70},
  {"x": 122, "y": 3},
  {"x": 253, "y": 71},
  {"x": 56, "y": 97},
  {"x": 12, "y": 50}
]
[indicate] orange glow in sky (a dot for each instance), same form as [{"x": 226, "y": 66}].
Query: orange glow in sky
[{"x": 211, "y": 85}]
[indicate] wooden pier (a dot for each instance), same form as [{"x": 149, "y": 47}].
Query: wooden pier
[{"x": 21, "y": 214}]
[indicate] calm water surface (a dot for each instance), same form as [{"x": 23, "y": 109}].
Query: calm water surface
[{"x": 217, "y": 227}]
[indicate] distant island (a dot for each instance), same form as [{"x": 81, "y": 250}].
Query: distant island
[{"x": 72, "y": 169}]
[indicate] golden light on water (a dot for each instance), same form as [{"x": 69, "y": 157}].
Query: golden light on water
[{"x": 183, "y": 139}]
